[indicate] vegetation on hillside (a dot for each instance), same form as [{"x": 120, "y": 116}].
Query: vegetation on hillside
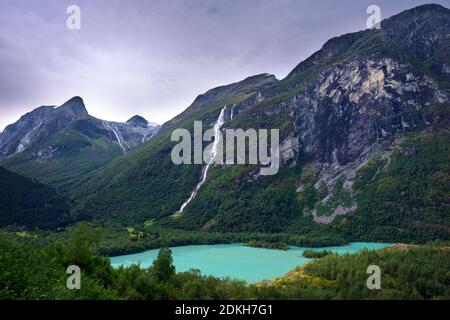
[
  {"x": 147, "y": 174},
  {"x": 402, "y": 194},
  {"x": 412, "y": 182},
  {"x": 24, "y": 202}
]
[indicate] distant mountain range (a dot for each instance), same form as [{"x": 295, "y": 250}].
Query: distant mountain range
[
  {"x": 364, "y": 128},
  {"x": 58, "y": 144}
]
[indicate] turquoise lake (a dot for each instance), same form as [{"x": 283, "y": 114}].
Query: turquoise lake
[{"x": 236, "y": 260}]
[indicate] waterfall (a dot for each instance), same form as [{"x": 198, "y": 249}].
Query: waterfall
[
  {"x": 217, "y": 126},
  {"x": 118, "y": 137},
  {"x": 232, "y": 112}
]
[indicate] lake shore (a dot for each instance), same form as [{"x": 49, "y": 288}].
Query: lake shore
[{"x": 238, "y": 261}]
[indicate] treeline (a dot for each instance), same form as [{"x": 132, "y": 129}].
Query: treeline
[
  {"x": 311, "y": 254},
  {"x": 267, "y": 245},
  {"x": 40, "y": 273},
  {"x": 117, "y": 241}
]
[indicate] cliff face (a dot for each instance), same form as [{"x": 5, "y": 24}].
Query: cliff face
[
  {"x": 359, "y": 91},
  {"x": 349, "y": 110}
]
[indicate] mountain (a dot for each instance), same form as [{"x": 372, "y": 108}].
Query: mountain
[
  {"x": 364, "y": 129},
  {"x": 24, "y": 202},
  {"x": 145, "y": 184},
  {"x": 57, "y": 145},
  {"x": 38, "y": 125}
]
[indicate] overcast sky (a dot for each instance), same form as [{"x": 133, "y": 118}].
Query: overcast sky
[{"x": 153, "y": 57}]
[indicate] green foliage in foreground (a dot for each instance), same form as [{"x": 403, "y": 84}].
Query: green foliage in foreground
[{"x": 39, "y": 273}]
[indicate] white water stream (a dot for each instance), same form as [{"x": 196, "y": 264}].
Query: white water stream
[
  {"x": 118, "y": 137},
  {"x": 217, "y": 126},
  {"x": 232, "y": 112}
]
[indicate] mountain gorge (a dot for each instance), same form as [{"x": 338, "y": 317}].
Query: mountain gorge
[{"x": 58, "y": 145}]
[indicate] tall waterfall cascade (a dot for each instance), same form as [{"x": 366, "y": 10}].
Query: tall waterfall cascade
[{"x": 217, "y": 126}]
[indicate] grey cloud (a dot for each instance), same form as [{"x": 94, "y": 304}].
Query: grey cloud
[{"x": 152, "y": 57}]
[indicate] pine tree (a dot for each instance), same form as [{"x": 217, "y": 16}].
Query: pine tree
[{"x": 162, "y": 268}]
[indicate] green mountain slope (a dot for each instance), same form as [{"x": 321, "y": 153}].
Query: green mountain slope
[
  {"x": 400, "y": 197},
  {"x": 24, "y": 202},
  {"x": 145, "y": 184}
]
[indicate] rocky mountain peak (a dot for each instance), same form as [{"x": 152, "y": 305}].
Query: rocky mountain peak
[
  {"x": 260, "y": 79},
  {"x": 427, "y": 9},
  {"x": 137, "y": 121},
  {"x": 39, "y": 125},
  {"x": 422, "y": 31},
  {"x": 74, "y": 108},
  {"x": 246, "y": 85}
]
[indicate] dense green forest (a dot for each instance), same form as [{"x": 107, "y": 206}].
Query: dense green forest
[
  {"x": 311, "y": 254},
  {"x": 29, "y": 203},
  {"x": 415, "y": 188},
  {"x": 415, "y": 272}
]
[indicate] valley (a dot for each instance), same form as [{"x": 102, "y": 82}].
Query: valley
[{"x": 364, "y": 132}]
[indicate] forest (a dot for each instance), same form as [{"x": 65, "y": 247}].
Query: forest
[{"x": 30, "y": 272}]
